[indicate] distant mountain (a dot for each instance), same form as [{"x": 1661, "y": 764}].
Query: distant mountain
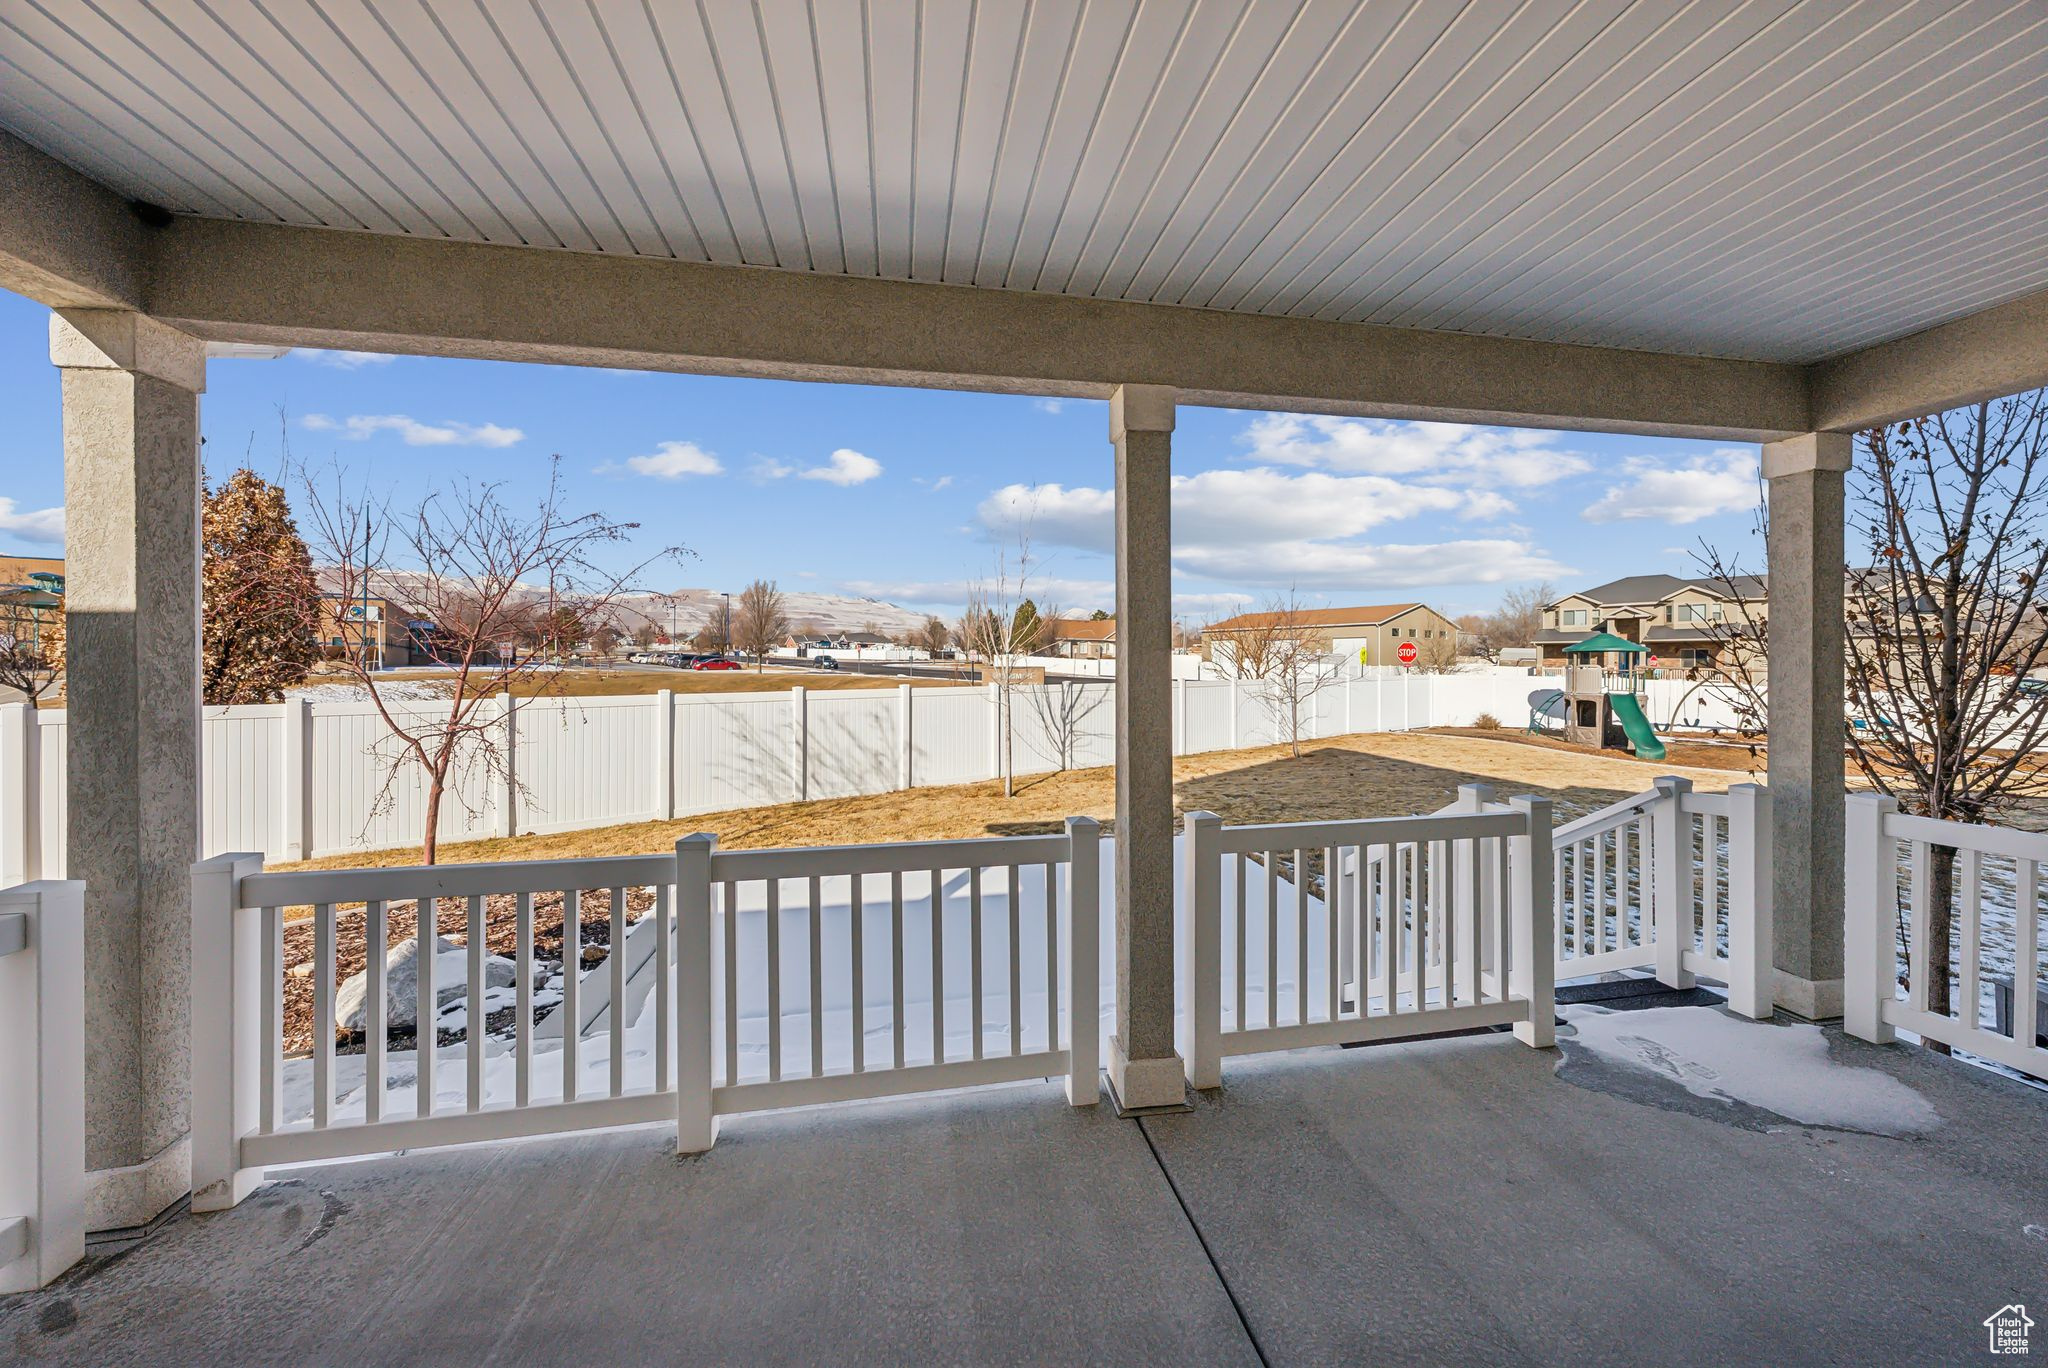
[
  {"x": 686, "y": 610},
  {"x": 683, "y": 611}
]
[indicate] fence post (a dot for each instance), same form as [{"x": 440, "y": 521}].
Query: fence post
[
  {"x": 295, "y": 779},
  {"x": 995, "y": 730},
  {"x": 1233, "y": 713},
  {"x": 42, "y": 1082},
  {"x": 696, "y": 1002},
  {"x": 1870, "y": 968},
  {"x": 1180, "y": 716},
  {"x": 1671, "y": 876},
  {"x": 1534, "y": 971},
  {"x": 226, "y": 1030},
  {"x": 508, "y": 791},
  {"x": 1751, "y": 975},
  {"x": 1084, "y": 961},
  {"x": 800, "y": 742},
  {"x": 665, "y": 753},
  {"x": 905, "y": 717},
  {"x": 18, "y": 780},
  {"x": 1199, "y": 944}
]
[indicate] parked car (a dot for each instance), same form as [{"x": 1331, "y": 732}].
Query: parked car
[
  {"x": 715, "y": 663},
  {"x": 826, "y": 663}
]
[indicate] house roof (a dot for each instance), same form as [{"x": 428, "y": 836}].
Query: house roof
[
  {"x": 1648, "y": 589},
  {"x": 1082, "y": 629},
  {"x": 1372, "y": 615}
]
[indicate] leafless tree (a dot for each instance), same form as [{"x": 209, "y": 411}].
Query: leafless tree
[
  {"x": 28, "y": 668},
  {"x": 935, "y": 636},
  {"x": 760, "y": 620},
  {"x": 1289, "y": 658},
  {"x": 1516, "y": 621},
  {"x": 1437, "y": 654},
  {"x": 470, "y": 567},
  {"x": 1945, "y": 630},
  {"x": 994, "y": 630}
]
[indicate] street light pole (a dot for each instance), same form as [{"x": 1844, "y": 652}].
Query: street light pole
[{"x": 725, "y": 648}]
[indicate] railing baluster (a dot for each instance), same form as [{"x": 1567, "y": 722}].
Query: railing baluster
[
  {"x": 1052, "y": 957},
  {"x": 1970, "y": 894},
  {"x": 1238, "y": 1022},
  {"x": 817, "y": 979},
  {"x": 1389, "y": 942},
  {"x": 975, "y": 1013},
  {"x": 730, "y": 891},
  {"x": 323, "y": 1015},
  {"x": 571, "y": 1013},
  {"x": 774, "y": 886},
  {"x": 522, "y": 1040},
  {"x": 1447, "y": 927},
  {"x": 1425, "y": 894},
  {"x": 426, "y": 1015},
  {"x": 1558, "y": 898},
  {"x": 897, "y": 997},
  {"x": 273, "y": 1019},
  {"x": 375, "y": 934},
  {"x": 1016, "y": 920},
  {"x": 1918, "y": 954},
  {"x": 2026, "y": 976},
  {"x": 1332, "y": 895},
  {"x": 856, "y": 893},
  {"x": 473, "y": 1028},
  {"x": 664, "y": 1007},
  {"x": 1300, "y": 937},
  {"x": 615, "y": 961},
  {"x": 1502, "y": 884},
  {"x": 938, "y": 966},
  {"x": 1272, "y": 938}
]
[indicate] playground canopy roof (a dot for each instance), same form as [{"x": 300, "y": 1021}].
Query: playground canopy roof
[{"x": 1602, "y": 642}]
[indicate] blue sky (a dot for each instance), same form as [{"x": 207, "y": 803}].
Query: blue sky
[{"x": 910, "y": 495}]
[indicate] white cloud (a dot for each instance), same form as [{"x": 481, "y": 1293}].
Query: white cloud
[
  {"x": 1068, "y": 595},
  {"x": 32, "y": 524},
  {"x": 362, "y": 426},
  {"x": 943, "y": 482},
  {"x": 1433, "y": 453},
  {"x": 342, "y": 360},
  {"x": 1723, "y": 481},
  {"x": 1359, "y": 567},
  {"x": 674, "y": 460},
  {"x": 1048, "y": 405},
  {"x": 845, "y": 468}
]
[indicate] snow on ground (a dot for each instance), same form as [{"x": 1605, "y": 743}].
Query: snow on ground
[
  {"x": 1780, "y": 1069},
  {"x": 392, "y": 690}
]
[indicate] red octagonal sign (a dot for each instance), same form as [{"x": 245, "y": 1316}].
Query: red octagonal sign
[{"x": 1407, "y": 653}]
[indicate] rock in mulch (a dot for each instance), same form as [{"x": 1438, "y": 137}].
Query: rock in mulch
[{"x": 401, "y": 983}]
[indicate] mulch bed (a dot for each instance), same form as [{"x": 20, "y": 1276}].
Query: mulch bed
[{"x": 451, "y": 922}]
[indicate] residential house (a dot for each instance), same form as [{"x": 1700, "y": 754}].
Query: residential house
[
  {"x": 1081, "y": 639},
  {"x": 1365, "y": 634},
  {"x": 1682, "y": 622}
]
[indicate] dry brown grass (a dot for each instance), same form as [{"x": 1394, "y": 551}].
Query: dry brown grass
[{"x": 1372, "y": 775}]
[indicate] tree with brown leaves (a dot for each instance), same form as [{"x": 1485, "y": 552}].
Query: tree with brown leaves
[
  {"x": 760, "y": 620},
  {"x": 261, "y": 623}
]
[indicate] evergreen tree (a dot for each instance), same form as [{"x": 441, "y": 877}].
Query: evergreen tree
[{"x": 262, "y": 604}]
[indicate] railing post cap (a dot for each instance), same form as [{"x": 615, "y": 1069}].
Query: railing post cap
[
  {"x": 1673, "y": 783},
  {"x": 1083, "y": 824},
  {"x": 1203, "y": 816},
  {"x": 704, "y": 839}
]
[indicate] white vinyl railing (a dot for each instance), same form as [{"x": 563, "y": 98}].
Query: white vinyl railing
[
  {"x": 1670, "y": 880},
  {"x": 1993, "y": 960},
  {"x": 728, "y": 982},
  {"x": 1448, "y": 929},
  {"x": 42, "y": 1082}
]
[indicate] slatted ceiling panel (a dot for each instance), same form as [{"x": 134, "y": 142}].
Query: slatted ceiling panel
[
  {"x": 1783, "y": 179},
  {"x": 1772, "y": 155}
]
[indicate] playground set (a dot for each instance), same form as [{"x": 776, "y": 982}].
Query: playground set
[{"x": 1597, "y": 707}]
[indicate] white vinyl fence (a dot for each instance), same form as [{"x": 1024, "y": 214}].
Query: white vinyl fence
[
  {"x": 1993, "y": 959},
  {"x": 300, "y": 779}
]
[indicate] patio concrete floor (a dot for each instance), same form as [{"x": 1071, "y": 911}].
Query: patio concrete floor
[{"x": 1455, "y": 1201}]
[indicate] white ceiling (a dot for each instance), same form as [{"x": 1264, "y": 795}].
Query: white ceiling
[{"x": 1752, "y": 178}]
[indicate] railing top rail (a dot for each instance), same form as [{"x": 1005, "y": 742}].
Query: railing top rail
[
  {"x": 1989, "y": 840},
  {"x": 1613, "y": 815},
  {"x": 13, "y": 931},
  {"x": 1246, "y": 840},
  {"x": 902, "y": 857},
  {"x": 1705, "y": 804},
  {"x": 404, "y": 883}
]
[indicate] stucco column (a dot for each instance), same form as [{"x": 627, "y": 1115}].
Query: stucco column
[
  {"x": 131, "y": 588},
  {"x": 1807, "y": 718},
  {"x": 1144, "y": 1068}
]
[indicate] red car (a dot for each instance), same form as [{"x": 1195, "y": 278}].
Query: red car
[{"x": 716, "y": 665}]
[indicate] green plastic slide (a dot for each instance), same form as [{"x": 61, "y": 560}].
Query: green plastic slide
[{"x": 1648, "y": 747}]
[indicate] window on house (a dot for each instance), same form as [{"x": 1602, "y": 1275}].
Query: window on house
[{"x": 1571, "y": 617}]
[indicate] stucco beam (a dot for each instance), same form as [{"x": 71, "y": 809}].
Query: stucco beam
[
  {"x": 1999, "y": 351},
  {"x": 229, "y": 281},
  {"x": 65, "y": 239}
]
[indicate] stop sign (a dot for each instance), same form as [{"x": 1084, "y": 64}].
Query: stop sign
[{"x": 1407, "y": 653}]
